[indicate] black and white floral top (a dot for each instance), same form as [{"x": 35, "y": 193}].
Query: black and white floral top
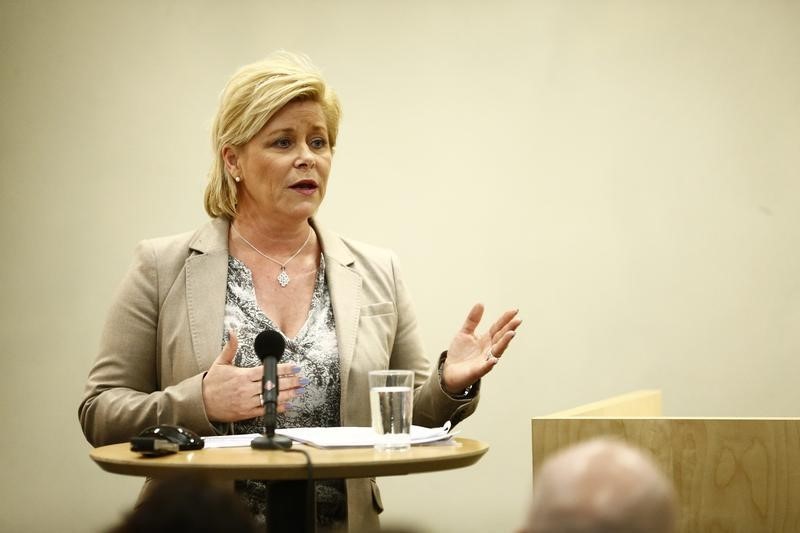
[{"x": 315, "y": 350}]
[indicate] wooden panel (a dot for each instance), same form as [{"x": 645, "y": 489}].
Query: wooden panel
[
  {"x": 732, "y": 475},
  {"x": 638, "y": 403}
]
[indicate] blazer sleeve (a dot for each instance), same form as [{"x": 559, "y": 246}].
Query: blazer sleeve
[
  {"x": 432, "y": 405},
  {"x": 123, "y": 393}
]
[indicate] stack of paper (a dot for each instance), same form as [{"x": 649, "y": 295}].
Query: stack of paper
[{"x": 336, "y": 437}]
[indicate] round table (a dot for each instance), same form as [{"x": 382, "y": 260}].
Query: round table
[
  {"x": 247, "y": 463},
  {"x": 289, "y": 471}
]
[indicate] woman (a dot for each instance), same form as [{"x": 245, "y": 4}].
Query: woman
[{"x": 178, "y": 343}]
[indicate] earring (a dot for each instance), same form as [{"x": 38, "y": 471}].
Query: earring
[{"x": 237, "y": 179}]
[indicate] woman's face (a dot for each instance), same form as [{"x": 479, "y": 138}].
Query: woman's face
[{"x": 284, "y": 168}]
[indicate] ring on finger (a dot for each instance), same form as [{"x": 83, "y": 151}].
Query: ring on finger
[
  {"x": 490, "y": 355},
  {"x": 261, "y": 399}
]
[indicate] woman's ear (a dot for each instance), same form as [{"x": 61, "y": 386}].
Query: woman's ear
[{"x": 230, "y": 155}]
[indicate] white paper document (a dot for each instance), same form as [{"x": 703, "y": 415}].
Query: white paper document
[
  {"x": 230, "y": 441},
  {"x": 335, "y": 437}
]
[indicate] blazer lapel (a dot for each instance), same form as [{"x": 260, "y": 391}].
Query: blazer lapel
[
  {"x": 206, "y": 281},
  {"x": 344, "y": 284}
]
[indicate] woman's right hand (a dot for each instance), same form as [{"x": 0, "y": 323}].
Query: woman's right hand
[{"x": 231, "y": 393}]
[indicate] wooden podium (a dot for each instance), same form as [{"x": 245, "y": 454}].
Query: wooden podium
[
  {"x": 732, "y": 475},
  {"x": 279, "y": 466}
]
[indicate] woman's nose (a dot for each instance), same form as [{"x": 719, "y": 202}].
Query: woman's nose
[{"x": 305, "y": 158}]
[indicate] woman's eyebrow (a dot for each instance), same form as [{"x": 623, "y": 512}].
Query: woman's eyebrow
[
  {"x": 292, "y": 129},
  {"x": 281, "y": 130}
]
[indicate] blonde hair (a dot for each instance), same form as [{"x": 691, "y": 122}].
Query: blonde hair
[{"x": 252, "y": 96}]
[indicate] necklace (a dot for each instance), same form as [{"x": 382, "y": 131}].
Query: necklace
[{"x": 283, "y": 277}]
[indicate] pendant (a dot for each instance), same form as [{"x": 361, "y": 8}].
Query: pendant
[{"x": 283, "y": 277}]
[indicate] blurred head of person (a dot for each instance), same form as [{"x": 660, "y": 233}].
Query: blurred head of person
[
  {"x": 601, "y": 486},
  {"x": 188, "y": 504}
]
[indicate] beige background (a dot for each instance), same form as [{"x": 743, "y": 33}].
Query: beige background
[{"x": 624, "y": 172}]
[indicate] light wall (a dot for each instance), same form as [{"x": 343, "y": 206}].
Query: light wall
[{"x": 624, "y": 172}]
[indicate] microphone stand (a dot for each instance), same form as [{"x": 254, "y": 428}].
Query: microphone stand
[
  {"x": 270, "y": 441},
  {"x": 286, "y": 500}
]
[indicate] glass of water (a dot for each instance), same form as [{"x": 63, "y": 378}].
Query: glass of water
[{"x": 391, "y": 397}]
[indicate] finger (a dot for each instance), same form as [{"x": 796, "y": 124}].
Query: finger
[
  {"x": 255, "y": 412},
  {"x": 285, "y": 370},
  {"x": 288, "y": 395},
  {"x": 255, "y": 373},
  {"x": 290, "y": 368},
  {"x": 251, "y": 408},
  {"x": 286, "y": 406},
  {"x": 473, "y": 319},
  {"x": 511, "y": 326},
  {"x": 503, "y": 321},
  {"x": 489, "y": 364},
  {"x": 483, "y": 367},
  {"x": 258, "y": 399},
  {"x": 500, "y": 346},
  {"x": 229, "y": 351},
  {"x": 285, "y": 396},
  {"x": 292, "y": 382}
]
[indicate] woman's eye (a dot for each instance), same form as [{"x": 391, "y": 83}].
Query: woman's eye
[
  {"x": 318, "y": 143},
  {"x": 283, "y": 142}
]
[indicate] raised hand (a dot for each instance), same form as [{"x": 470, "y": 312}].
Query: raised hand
[
  {"x": 471, "y": 355},
  {"x": 231, "y": 393}
]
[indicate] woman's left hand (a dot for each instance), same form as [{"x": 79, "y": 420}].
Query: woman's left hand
[{"x": 472, "y": 356}]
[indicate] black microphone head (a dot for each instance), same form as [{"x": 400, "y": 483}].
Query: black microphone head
[{"x": 269, "y": 343}]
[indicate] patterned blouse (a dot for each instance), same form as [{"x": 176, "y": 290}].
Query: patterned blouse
[{"x": 315, "y": 350}]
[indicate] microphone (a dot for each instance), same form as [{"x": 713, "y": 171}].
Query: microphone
[{"x": 269, "y": 346}]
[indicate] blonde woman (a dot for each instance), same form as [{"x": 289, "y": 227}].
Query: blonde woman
[{"x": 178, "y": 342}]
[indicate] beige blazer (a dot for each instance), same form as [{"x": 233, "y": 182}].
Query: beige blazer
[{"x": 165, "y": 328}]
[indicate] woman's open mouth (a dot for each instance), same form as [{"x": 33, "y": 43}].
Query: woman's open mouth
[{"x": 307, "y": 187}]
